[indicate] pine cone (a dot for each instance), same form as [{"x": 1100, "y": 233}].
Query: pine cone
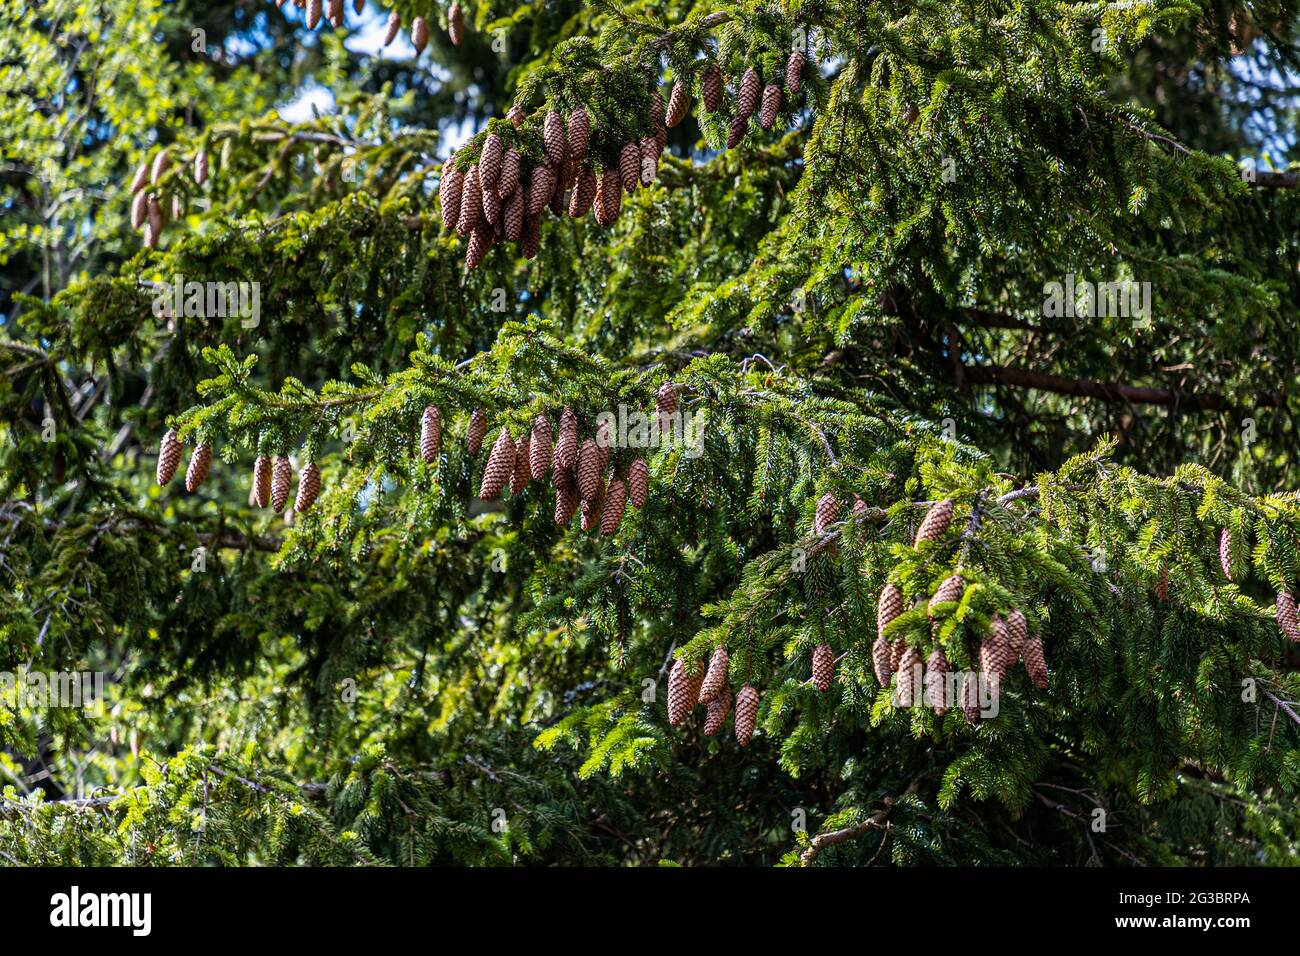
[
  {"x": 141, "y": 177},
  {"x": 419, "y": 35},
  {"x": 970, "y": 697},
  {"x": 139, "y": 209},
  {"x": 566, "y": 445},
  {"x": 477, "y": 430},
  {"x": 508, "y": 180},
  {"x": 1017, "y": 633},
  {"x": 281, "y": 478},
  {"x": 665, "y": 407},
  {"x": 747, "y": 93},
  {"x": 161, "y": 163},
  {"x": 154, "y": 212},
  {"x": 859, "y": 507},
  {"x": 638, "y": 482},
  {"x": 169, "y": 456},
  {"x": 715, "y": 678},
  {"x": 541, "y": 186},
  {"x": 1162, "y": 585},
  {"x": 823, "y": 667},
  {"x": 358, "y": 6},
  {"x": 683, "y": 691},
  {"x": 936, "y": 682},
  {"x": 711, "y": 89},
  {"x": 566, "y": 497},
  {"x": 336, "y": 12},
  {"x": 480, "y": 241},
  {"x": 604, "y": 441},
  {"x": 531, "y": 242},
  {"x": 584, "y": 194},
  {"x": 262, "y": 481},
  {"x": 200, "y": 462},
  {"x": 449, "y": 193},
  {"x": 489, "y": 163},
  {"x": 771, "y": 106},
  {"x": 1225, "y": 553},
  {"x": 995, "y": 652},
  {"x": 579, "y": 134},
  {"x": 615, "y": 505},
  {"x": 1035, "y": 663},
  {"x": 201, "y": 167},
  {"x": 609, "y": 197},
  {"x": 882, "y": 660},
  {"x": 308, "y": 486},
  {"x": 746, "y": 714},
  {"x": 500, "y": 466},
  {"x": 907, "y": 683},
  {"x": 516, "y": 115},
  {"x": 679, "y": 104},
  {"x": 430, "y": 434},
  {"x": 828, "y": 512},
  {"x": 539, "y": 448},
  {"x": 590, "y": 514},
  {"x": 1286, "y": 615},
  {"x": 491, "y": 205},
  {"x": 178, "y": 208},
  {"x": 654, "y": 108},
  {"x": 394, "y": 25},
  {"x": 888, "y": 607},
  {"x": 471, "y": 204},
  {"x": 553, "y": 139},
  {"x": 559, "y": 201},
  {"x": 313, "y": 14},
  {"x": 719, "y": 707},
  {"x": 456, "y": 24},
  {"x": 736, "y": 131},
  {"x": 935, "y": 522},
  {"x": 523, "y": 470},
  {"x": 629, "y": 166},
  {"x": 896, "y": 651},
  {"x": 794, "y": 72},
  {"x": 649, "y": 150},
  {"x": 589, "y": 471},
  {"x": 513, "y": 216},
  {"x": 951, "y": 589}
]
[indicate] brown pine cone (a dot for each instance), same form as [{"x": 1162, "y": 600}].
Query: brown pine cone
[
  {"x": 539, "y": 448},
  {"x": 336, "y": 12},
  {"x": 654, "y": 108},
  {"x": 747, "y": 93},
  {"x": 590, "y": 509},
  {"x": 719, "y": 708},
  {"x": 649, "y": 151},
  {"x": 882, "y": 660},
  {"x": 430, "y": 434},
  {"x": 559, "y": 203},
  {"x": 500, "y": 466},
  {"x": 394, "y": 26},
  {"x": 935, "y": 522},
  {"x": 141, "y": 177},
  {"x": 155, "y": 214},
  {"x": 711, "y": 89},
  {"x": 456, "y": 24},
  {"x": 771, "y": 106},
  {"x": 679, "y": 104},
  {"x": 683, "y": 691},
  {"x": 615, "y": 504},
  {"x": 169, "y": 456},
  {"x": 794, "y": 72},
  {"x": 491, "y": 206},
  {"x": 480, "y": 241},
  {"x": 609, "y": 197},
  {"x": 489, "y": 162},
  {"x": 281, "y": 479},
  {"x": 665, "y": 407},
  {"x": 262, "y": 481},
  {"x": 471, "y": 204},
  {"x": 970, "y": 697},
  {"x": 531, "y": 241},
  {"x": 201, "y": 167},
  {"x": 995, "y": 652},
  {"x": 308, "y": 486},
  {"x": 358, "y": 6},
  {"x": 161, "y": 163},
  {"x": 828, "y": 512},
  {"x": 419, "y": 34},
  {"x": 638, "y": 482},
  {"x": 477, "y": 431},
  {"x": 951, "y": 589},
  {"x": 508, "y": 181},
  {"x": 604, "y": 441},
  {"x": 1017, "y": 633},
  {"x": 579, "y": 135},
  {"x": 200, "y": 462},
  {"x": 589, "y": 471},
  {"x": 449, "y": 193},
  {"x": 566, "y": 444},
  {"x": 629, "y": 166},
  {"x": 313, "y": 14},
  {"x": 513, "y": 216},
  {"x": 859, "y": 507},
  {"x": 541, "y": 187},
  {"x": 139, "y": 209},
  {"x": 1035, "y": 662},
  {"x": 1225, "y": 553},
  {"x": 907, "y": 682},
  {"x": 888, "y": 607},
  {"x": 523, "y": 470},
  {"x": 1162, "y": 585},
  {"x": 553, "y": 139},
  {"x": 566, "y": 496},
  {"x": 516, "y": 115},
  {"x": 584, "y": 194},
  {"x": 823, "y": 667},
  {"x": 736, "y": 131},
  {"x": 746, "y": 714},
  {"x": 715, "y": 678},
  {"x": 936, "y": 682},
  {"x": 1286, "y": 615}
]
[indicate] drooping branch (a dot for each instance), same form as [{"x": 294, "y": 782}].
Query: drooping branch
[
  {"x": 874, "y": 822},
  {"x": 1106, "y": 391}
]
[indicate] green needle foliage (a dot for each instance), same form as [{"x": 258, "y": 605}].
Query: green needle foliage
[{"x": 854, "y": 306}]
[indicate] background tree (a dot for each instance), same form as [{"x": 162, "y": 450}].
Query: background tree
[{"x": 828, "y": 229}]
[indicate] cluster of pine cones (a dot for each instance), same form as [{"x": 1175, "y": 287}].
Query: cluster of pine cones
[
  {"x": 693, "y": 684},
  {"x": 271, "y": 476},
  {"x": 495, "y": 199},
  {"x": 1286, "y": 606},
  {"x": 333, "y": 11},
  {"x": 150, "y": 209}
]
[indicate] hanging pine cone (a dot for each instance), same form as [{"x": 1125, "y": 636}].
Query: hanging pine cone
[
  {"x": 480, "y": 241},
  {"x": 679, "y": 104},
  {"x": 882, "y": 661},
  {"x": 456, "y": 24},
  {"x": 859, "y": 507},
  {"x": 394, "y": 26},
  {"x": 715, "y": 678},
  {"x": 308, "y": 487},
  {"x": 609, "y": 197},
  {"x": 719, "y": 708},
  {"x": 665, "y": 407},
  {"x": 471, "y": 204},
  {"x": 523, "y": 470},
  {"x": 584, "y": 194},
  {"x": 559, "y": 204},
  {"x": 141, "y": 178},
  {"x": 476, "y": 432},
  {"x": 449, "y": 193},
  {"x": 155, "y": 214},
  {"x": 615, "y": 504},
  {"x": 553, "y": 139},
  {"x": 566, "y": 444},
  {"x": 629, "y": 166},
  {"x": 419, "y": 34},
  {"x": 1225, "y": 553},
  {"x": 539, "y": 447},
  {"x": 995, "y": 652},
  {"x": 951, "y": 589},
  {"x": 746, "y": 714},
  {"x": 771, "y": 106},
  {"x": 139, "y": 209},
  {"x": 794, "y": 72},
  {"x": 936, "y": 682},
  {"x": 200, "y": 462},
  {"x": 262, "y": 481},
  {"x": 604, "y": 441},
  {"x": 970, "y": 697},
  {"x": 711, "y": 89},
  {"x": 516, "y": 115},
  {"x": 908, "y": 681},
  {"x": 579, "y": 134},
  {"x": 541, "y": 187},
  {"x": 489, "y": 163},
  {"x": 683, "y": 690},
  {"x": 566, "y": 497},
  {"x": 649, "y": 150},
  {"x": 1035, "y": 662},
  {"x": 1017, "y": 633},
  {"x": 358, "y": 6},
  {"x": 747, "y": 93},
  {"x": 823, "y": 667},
  {"x": 935, "y": 522},
  {"x": 508, "y": 180},
  {"x": 531, "y": 241},
  {"x": 736, "y": 131},
  {"x": 169, "y": 456},
  {"x": 161, "y": 163},
  {"x": 430, "y": 434},
  {"x": 1286, "y": 615},
  {"x": 512, "y": 223},
  {"x": 491, "y": 204},
  {"x": 200, "y": 167},
  {"x": 638, "y": 482},
  {"x": 1162, "y": 585},
  {"x": 500, "y": 466},
  {"x": 589, "y": 471},
  {"x": 896, "y": 651},
  {"x": 281, "y": 479},
  {"x": 828, "y": 512},
  {"x": 336, "y": 12},
  {"x": 590, "y": 509},
  {"x": 888, "y": 607}
]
